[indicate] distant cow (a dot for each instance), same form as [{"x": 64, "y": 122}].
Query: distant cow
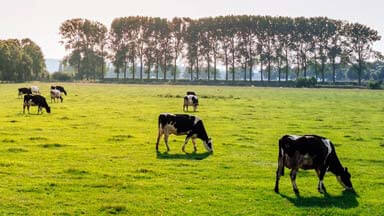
[
  {"x": 23, "y": 91},
  {"x": 190, "y": 100},
  {"x": 60, "y": 88},
  {"x": 35, "y": 90},
  {"x": 191, "y": 93},
  {"x": 56, "y": 94},
  {"x": 181, "y": 124},
  {"x": 36, "y": 100},
  {"x": 310, "y": 152}
]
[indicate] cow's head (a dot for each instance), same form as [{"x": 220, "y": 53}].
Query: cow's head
[
  {"x": 344, "y": 179},
  {"x": 209, "y": 145},
  {"x": 48, "y": 109}
]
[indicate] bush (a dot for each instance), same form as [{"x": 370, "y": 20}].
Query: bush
[
  {"x": 60, "y": 76},
  {"x": 374, "y": 84},
  {"x": 304, "y": 82}
]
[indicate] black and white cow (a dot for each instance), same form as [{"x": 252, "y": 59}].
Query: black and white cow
[
  {"x": 36, "y": 100},
  {"x": 56, "y": 94},
  {"x": 35, "y": 90},
  {"x": 181, "y": 124},
  {"x": 191, "y": 93},
  {"x": 190, "y": 100},
  {"x": 24, "y": 91},
  {"x": 310, "y": 152},
  {"x": 60, "y": 88}
]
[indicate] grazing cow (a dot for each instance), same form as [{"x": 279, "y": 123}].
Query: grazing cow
[
  {"x": 310, "y": 152},
  {"x": 60, "y": 88},
  {"x": 191, "y": 93},
  {"x": 181, "y": 124},
  {"x": 56, "y": 94},
  {"x": 190, "y": 100},
  {"x": 35, "y": 90},
  {"x": 23, "y": 91},
  {"x": 36, "y": 100}
]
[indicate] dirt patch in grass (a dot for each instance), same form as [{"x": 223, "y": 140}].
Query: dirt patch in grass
[
  {"x": 52, "y": 145},
  {"x": 119, "y": 138},
  {"x": 8, "y": 141},
  {"x": 359, "y": 139},
  {"x": 17, "y": 150},
  {"x": 37, "y": 138},
  {"x": 13, "y": 121},
  {"x": 76, "y": 172},
  {"x": 113, "y": 209}
]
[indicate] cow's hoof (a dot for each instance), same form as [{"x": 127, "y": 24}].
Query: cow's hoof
[
  {"x": 276, "y": 190},
  {"x": 296, "y": 191},
  {"x": 322, "y": 190}
]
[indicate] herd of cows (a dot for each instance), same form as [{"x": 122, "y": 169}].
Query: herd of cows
[
  {"x": 32, "y": 97},
  {"x": 295, "y": 152}
]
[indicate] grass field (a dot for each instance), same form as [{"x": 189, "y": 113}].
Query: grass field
[{"x": 95, "y": 153}]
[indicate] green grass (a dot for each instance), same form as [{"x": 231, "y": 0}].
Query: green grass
[{"x": 95, "y": 153}]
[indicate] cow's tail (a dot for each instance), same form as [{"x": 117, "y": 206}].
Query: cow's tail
[
  {"x": 65, "y": 92},
  {"x": 280, "y": 165}
]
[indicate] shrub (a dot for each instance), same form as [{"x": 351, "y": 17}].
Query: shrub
[
  {"x": 60, "y": 76},
  {"x": 304, "y": 82},
  {"x": 374, "y": 84}
]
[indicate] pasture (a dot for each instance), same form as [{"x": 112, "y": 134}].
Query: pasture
[{"x": 95, "y": 153}]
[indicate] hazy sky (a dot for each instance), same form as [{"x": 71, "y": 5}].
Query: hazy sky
[{"x": 40, "y": 19}]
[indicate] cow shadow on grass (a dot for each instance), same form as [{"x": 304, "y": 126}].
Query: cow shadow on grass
[
  {"x": 184, "y": 156},
  {"x": 344, "y": 201}
]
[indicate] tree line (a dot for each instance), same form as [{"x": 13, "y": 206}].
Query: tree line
[
  {"x": 239, "y": 44},
  {"x": 21, "y": 60}
]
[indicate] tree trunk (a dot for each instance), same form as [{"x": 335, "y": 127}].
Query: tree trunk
[
  {"x": 133, "y": 69},
  {"x": 141, "y": 67},
  {"x": 214, "y": 66},
  {"x": 226, "y": 66},
  {"x": 261, "y": 71},
  {"x": 322, "y": 70},
  {"x": 269, "y": 69},
  {"x": 208, "y": 69},
  {"x": 175, "y": 67},
  {"x": 279, "y": 68},
  {"x": 157, "y": 68},
  {"x": 125, "y": 70},
  {"x": 250, "y": 72},
  {"x": 334, "y": 70},
  {"x": 286, "y": 66}
]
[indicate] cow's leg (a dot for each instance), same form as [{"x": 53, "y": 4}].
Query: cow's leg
[
  {"x": 166, "y": 135},
  {"x": 28, "y": 108},
  {"x": 293, "y": 180},
  {"x": 186, "y": 141},
  {"x": 194, "y": 144},
  {"x": 321, "y": 173},
  {"x": 24, "y": 108},
  {"x": 61, "y": 99},
  {"x": 194, "y": 108},
  {"x": 279, "y": 172},
  {"x": 158, "y": 139}
]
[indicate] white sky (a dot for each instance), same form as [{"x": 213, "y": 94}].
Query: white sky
[{"x": 40, "y": 19}]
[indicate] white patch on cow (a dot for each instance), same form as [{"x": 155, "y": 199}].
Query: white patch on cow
[
  {"x": 341, "y": 182},
  {"x": 170, "y": 128},
  {"x": 294, "y": 137},
  {"x": 327, "y": 144},
  {"x": 35, "y": 90},
  {"x": 197, "y": 119},
  {"x": 320, "y": 186}
]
